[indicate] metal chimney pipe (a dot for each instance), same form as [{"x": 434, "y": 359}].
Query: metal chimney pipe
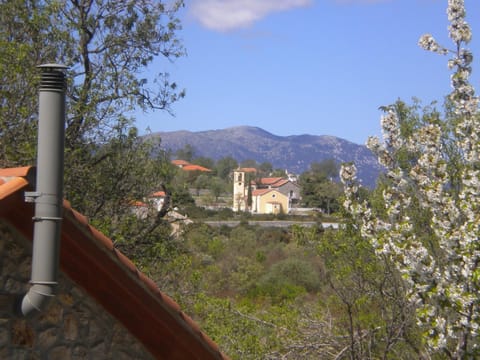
[{"x": 48, "y": 196}]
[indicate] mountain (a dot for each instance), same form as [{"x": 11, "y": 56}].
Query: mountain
[{"x": 294, "y": 153}]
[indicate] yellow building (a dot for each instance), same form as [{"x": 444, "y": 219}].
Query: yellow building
[
  {"x": 269, "y": 195},
  {"x": 269, "y": 201}
]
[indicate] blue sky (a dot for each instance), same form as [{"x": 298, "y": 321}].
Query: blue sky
[{"x": 320, "y": 67}]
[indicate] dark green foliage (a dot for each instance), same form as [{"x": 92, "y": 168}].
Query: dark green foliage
[
  {"x": 204, "y": 161},
  {"x": 225, "y": 166},
  {"x": 24, "y": 44},
  {"x": 186, "y": 153},
  {"x": 225, "y": 214},
  {"x": 201, "y": 181},
  {"x": 266, "y": 235},
  {"x": 106, "y": 45},
  {"x": 319, "y": 188},
  {"x": 326, "y": 169},
  {"x": 286, "y": 285},
  {"x": 182, "y": 198},
  {"x": 217, "y": 186},
  {"x": 265, "y": 169},
  {"x": 201, "y": 213},
  {"x": 288, "y": 279}
]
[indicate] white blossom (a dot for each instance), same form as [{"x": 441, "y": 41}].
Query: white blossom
[
  {"x": 443, "y": 284},
  {"x": 427, "y": 42},
  {"x": 459, "y": 29}
]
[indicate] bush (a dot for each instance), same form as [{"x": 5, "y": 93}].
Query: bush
[
  {"x": 225, "y": 214},
  {"x": 267, "y": 236},
  {"x": 288, "y": 279}
]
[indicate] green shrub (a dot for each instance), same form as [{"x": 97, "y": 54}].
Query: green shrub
[
  {"x": 225, "y": 214},
  {"x": 286, "y": 280},
  {"x": 269, "y": 235},
  {"x": 194, "y": 212}
]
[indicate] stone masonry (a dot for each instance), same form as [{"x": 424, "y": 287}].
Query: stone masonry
[{"x": 73, "y": 325}]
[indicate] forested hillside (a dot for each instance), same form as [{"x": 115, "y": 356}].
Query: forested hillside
[{"x": 292, "y": 153}]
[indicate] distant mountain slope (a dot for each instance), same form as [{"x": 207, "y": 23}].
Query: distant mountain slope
[{"x": 294, "y": 153}]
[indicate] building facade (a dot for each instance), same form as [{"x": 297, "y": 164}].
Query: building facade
[{"x": 263, "y": 195}]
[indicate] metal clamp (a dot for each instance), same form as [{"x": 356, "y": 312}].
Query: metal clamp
[
  {"x": 41, "y": 218},
  {"x": 30, "y": 196}
]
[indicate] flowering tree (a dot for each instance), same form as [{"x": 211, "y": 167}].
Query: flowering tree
[{"x": 442, "y": 272}]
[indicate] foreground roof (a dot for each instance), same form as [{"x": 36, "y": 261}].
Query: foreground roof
[{"x": 90, "y": 259}]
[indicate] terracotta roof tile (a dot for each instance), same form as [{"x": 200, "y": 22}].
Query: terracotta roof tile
[
  {"x": 281, "y": 182},
  {"x": 270, "y": 180},
  {"x": 11, "y": 186},
  {"x": 258, "y": 192},
  {"x": 90, "y": 259},
  {"x": 193, "y": 167},
  {"x": 16, "y": 172},
  {"x": 248, "y": 169},
  {"x": 158, "y": 194},
  {"x": 137, "y": 203},
  {"x": 180, "y": 162}
]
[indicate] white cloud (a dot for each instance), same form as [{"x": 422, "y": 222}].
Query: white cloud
[{"x": 225, "y": 15}]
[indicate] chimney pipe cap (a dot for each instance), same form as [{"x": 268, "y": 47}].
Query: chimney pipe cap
[{"x": 52, "y": 66}]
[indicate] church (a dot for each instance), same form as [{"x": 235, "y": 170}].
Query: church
[{"x": 263, "y": 195}]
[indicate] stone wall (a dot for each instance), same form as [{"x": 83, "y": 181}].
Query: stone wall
[{"x": 72, "y": 326}]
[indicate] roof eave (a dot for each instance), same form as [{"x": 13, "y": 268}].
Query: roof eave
[{"x": 89, "y": 258}]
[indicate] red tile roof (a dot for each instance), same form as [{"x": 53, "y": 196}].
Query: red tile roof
[
  {"x": 16, "y": 172},
  {"x": 248, "y": 169},
  {"x": 180, "y": 162},
  {"x": 193, "y": 167},
  {"x": 259, "y": 192},
  {"x": 159, "y": 194},
  {"x": 138, "y": 203},
  {"x": 185, "y": 165},
  {"x": 270, "y": 180},
  {"x": 90, "y": 259},
  {"x": 281, "y": 183}
]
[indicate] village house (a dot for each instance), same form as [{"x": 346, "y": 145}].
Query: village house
[
  {"x": 185, "y": 165},
  {"x": 269, "y": 195},
  {"x": 269, "y": 201},
  {"x": 104, "y": 307},
  {"x": 158, "y": 199},
  {"x": 283, "y": 185}
]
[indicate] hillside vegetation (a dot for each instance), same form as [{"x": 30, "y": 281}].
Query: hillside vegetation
[{"x": 295, "y": 293}]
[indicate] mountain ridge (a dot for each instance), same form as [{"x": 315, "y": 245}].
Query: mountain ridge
[{"x": 294, "y": 153}]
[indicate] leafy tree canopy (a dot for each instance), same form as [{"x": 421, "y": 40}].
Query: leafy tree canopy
[{"x": 107, "y": 46}]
